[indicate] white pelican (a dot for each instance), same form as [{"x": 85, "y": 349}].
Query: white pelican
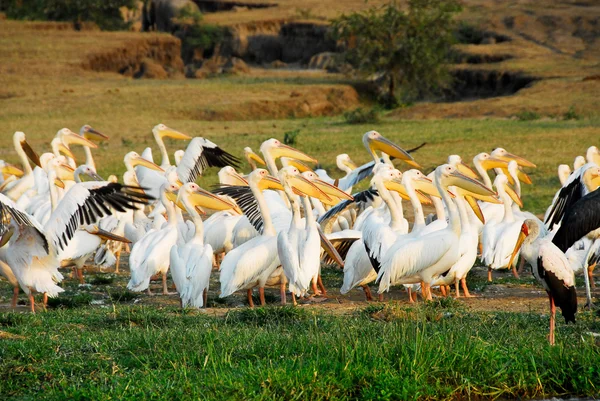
[
  {"x": 91, "y": 134},
  {"x": 252, "y": 158},
  {"x": 16, "y": 188},
  {"x": 191, "y": 263},
  {"x": 426, "y": 257},
  {"x": 593, "y": 155},
  {"x": 563, "y": 173},
  {"x": 32, "y": 252}
]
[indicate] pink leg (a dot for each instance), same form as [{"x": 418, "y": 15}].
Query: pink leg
[
  {"x": 490, "y": 274},
  {"x": 261, "y": 295},
  {"x": 367, "y": 291},
  {"x": 164, "y": 282},
  {"x": 249, "y": 295},
  {"x": 15, "y": 297},
  {"x": 463, "y": 282},
  {"x": 321, "y": 286},
  {"x": 552, "y": 319},
  {"x": 457, "y": 288},
  {"x": 282, "y": 293},
  {"x": 205, "y": 297},
  {"x": 32, "y": 302}
]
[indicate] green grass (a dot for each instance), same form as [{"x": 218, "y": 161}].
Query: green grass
[{"x": 424, "y": 352}]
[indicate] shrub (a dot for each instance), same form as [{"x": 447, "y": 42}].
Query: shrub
[
  {"x": 289, "y": 137},
  {"x": 527, "y": 115},
  {"x": 571, "y": 114},
  {"x": 361, "y": 116}
]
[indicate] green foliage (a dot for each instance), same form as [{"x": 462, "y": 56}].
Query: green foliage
[
  {"x": 412, "y": 48},
  {"x": 571, "y": 114},
  {"x": 102, "y": 279},
  {"x": 196, "y": 36},
  {"x": 289, "y": 137},
  {"x": 361, "y": 116},
  {"x": 104, "y": 13},
  {"x": 69, "y": 299},
  {"x": 527, "y": 115}
]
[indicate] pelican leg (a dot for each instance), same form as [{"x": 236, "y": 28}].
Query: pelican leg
[
  {"x": 118, "y": 255},
  {"x": 15, "y": 297},
  {"x": 282, "y": 293},
  {"x": 380, "y": 297},
  {"x": 463, "y": 282},
  {"x": 367, "y": 291},
  {"x": 443, "y": 290},
  {"x": 456, "y": 287},
  {"x": 249, "y": 295},
  {"x": 45, "y": 300},
  {"x": 261, "y": 295},
  {"x": 590, "y": 271},
  {"x": 164, "y": 283},
  {"x": 515, "y": 272},
  {"x": 149, "y": 292},
  {"x": 410, "y": 295},
  {"x": 80, "y": 275},
  {"x": 490, "y": 274},
  {"x": 205, "y": 297},
  {"x": 32, "y": 302},
  {"x": 552, "y": 319},
  {"x": 294, "y": 299},
  {"x": 413, "y": 296},
  {"x": 321, "y": 286},
  {"x": 315, "y": 290}
]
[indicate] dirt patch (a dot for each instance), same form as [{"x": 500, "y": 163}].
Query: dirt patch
[
  {"x": 479, "y": 84},
  {"x": 152, "y": 57},
  {"x": 311, "y": 102}
]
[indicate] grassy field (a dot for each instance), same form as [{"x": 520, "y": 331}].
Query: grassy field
[{"x": 102, "y": 342}]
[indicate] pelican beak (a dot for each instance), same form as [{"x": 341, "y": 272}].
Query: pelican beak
[
  {"x": 9, "y": 170},
  {"x": 384, "y": 145},
  {"x": 466, "y": 170},
  {"x": 492, "y": 162},
  {"x": 94, "y": 176},
  {"x": 74, "y": 139},
  {"x": 332, "y": 191},
  {"x": 105, "y": 235},
  {"x": 65, "y": 172},
  {"x": 59, "y": 183},
  {"x": 524, "y": 178},
  {"x": 10, "y": 179},
  {"x": 250, "y": 155},
  {"x": 330, "y": 249},
  {"x": 475, "y": 207},
  {"x": 522, "y": 235},
  {"x": 140, "y": 161},
  {"x": 350, "y": 164},
  {"x": 520, "y": 160},
  {"x": 171, "y": 133},
  {"x": 7, "y": 236},
  {"x": 426, "y": 186},
  {"x": 307, "y": 188},
  {"x": 172, "y": 196},
  {"x": 62, "y": 148},
  {"x": 31, "y": 153},
  {"x": 93, "y": 135},
  {"x": 397, "y": 186},
  {"x": 240, "y": 180},
  {"x": 299, "y": 165},
  {"x": 287, "y": 151},
  {"x": 513, "y": 195},
  {"x": 179, "y": 183},
  {"x": 209, "y": 200},
  {"x": 471, "y": 185},
  {"x": 423, "y": 199},
  {"x": 270, "y": 182}
]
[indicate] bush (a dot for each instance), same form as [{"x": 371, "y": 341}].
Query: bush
[
  {"x": 527, "y": 115},
  {"x": 289, "y": 137},
  {"x": 104, "y": 13},
  {"x": 361, "y": 116},
  {"x": 571, "y": 114}
]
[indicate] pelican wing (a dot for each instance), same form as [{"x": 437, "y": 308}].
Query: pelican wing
[
  {"x": 200, "y": 155},
  {"x": 86, "y": 203},
  {"x": 199, "y": 266},
  {"x": 245, "y": 199},
  {"x": 10, "y": 213}
]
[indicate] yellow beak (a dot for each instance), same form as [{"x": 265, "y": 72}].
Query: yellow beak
[
  {"x": 492, "y": 162},
  {"x": 31, "y": 153},
  {"x": 59, "y": 183},
  {"x": 94, "y": 135},
  {"x": 524, "y": 178},
  {"x": 172, "y": 196},
  {"x": 384, "y": 145},
  {"x": 475, "y": 207},
  {"x": 287, "y": 151},
  {"x": 307, "y": 188},
  {"x": 171, "y": 133},
  {"x": 7, "y": 236},
  {"x": 350, "y": 164},
  {"x": 106, "y": 235},
  {"x": 298, "y": 164},
  {"x": 270, "y": 182},
  {"x": 520, "y": 160},
  {"x": 331, "y": 190},
  {"x": 65, "y": 172},
  {"x": 426, "y": 186},
  {"x": 62, "y": 148},
  {"x": 241, "y": 181},
  {"x": 520, "y": 240},
  {"x": 9, "y": 170},
  {"x": 209, "y": 200},
  {"x": 74, "y": 139},
  {"x": 250, "y": 155},
  {"x": 397, "y": 186},
  {"x": 466, "y": 170},
  {"x": 330, "y": 249},
  {"x": 513, "y": 195},
  {"x": 140, "y": 161},
  {"x": 471, "y": 185}
]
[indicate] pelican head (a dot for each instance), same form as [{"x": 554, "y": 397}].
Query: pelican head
[
  {"x": 133, "y": 159},
  {"x": 332, "y": 191},
  {"x": 191, "y": 195},
  {"x": 261, "y": 179},
  {"x": 489, "y": 162},
  {"x": 502, "y": 154},
  {"x": 87, "y": 171},
  {"x": 374, "y": 141},
  {"x": 291, "y": 176},
  {"x": 20, "y": 141},
  {"x": 593, "y": 155},
  {"x": 89, "y": 133},
  {"x": 276, "y": 149},
  {"x": 228, "y": 175},
  {"x": 162, "y": 131},
  {"x": 344, "y": 163},
  {"x": 253, "y": 158},
  {"x": 457, "y": 161},
  {"x": 578, "y": 162},
  {"x": 564, "y": 171},
  {"x": 501, "y": 183},
  {"x": 69, "y": 138},
  {"x": 515, "y": 171},
  {"x": 448, "y": 175}
]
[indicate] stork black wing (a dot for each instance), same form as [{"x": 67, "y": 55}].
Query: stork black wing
[{"x": 579, "y": 220}]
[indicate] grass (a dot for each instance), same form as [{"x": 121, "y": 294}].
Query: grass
[{"x": 276, "y": 353}]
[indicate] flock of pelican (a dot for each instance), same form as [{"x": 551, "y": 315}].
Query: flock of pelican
[{"x": 277, "y": 226}]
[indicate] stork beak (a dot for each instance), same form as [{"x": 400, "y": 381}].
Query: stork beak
[
  {"x": 140, "y": 161},
  {"x": 93, "y": 135},
  {"x": 62, "y": 148},
  {"x": 471, "y": 185},
  {"x": 330, "y": 249},
  {"x": 287, "y": 151},
  {"x": 307, "y": 188},
  {"x": 106, "y": 235},
  {"x": 209, "y": 200},
  {"x": 171, "y": 133},
  {"x": 250, "y": 155},
  {"x": 31, "y": 153},
  {"x": 9, "y": 170},
  {"x": 466, "y": 170},
  {"x": 472, "y": 202},
  {"x": 74, "y": 139},
  {"x": 384, "y": 145},
  {"x": 298, "y": 164},
  {"x": 65, "y": 172},
  {"x": 513, "y": 195},
  {"x": 270, "y": 182},
  {"x": 520, "y": 160},
  {"x": 493, "y": 162},
  {"x": 518, "y": 245}
]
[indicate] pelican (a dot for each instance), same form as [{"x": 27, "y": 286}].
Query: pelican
[
  {"x": 563, "y": 173},
  {"x": 16, "y": 188},
  {"x": 593, "y": 155},
  {"x": 191, "y": 263},
  {"x": 91, "y": 134},
  {"x": 33, "y": 250},
  {"x": 426, "y": 257}
]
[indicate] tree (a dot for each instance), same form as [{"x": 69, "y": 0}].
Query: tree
[{"x": 410, "y": 47}]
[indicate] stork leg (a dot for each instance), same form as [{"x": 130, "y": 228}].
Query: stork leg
[
  {"x": 164, "y": 283},
  {"x": 321, "y": 286},
  {"x": 552, "y": 319},
  {"x": 282, "y": 293},
  {"x": 588, "y": 291},
  {"x": 15, "y": 297},
  {"x": 521, "y": 265},
  {"x": 490, "y": 274},
  {"x": 249, "y": 295},
  {"x": 590, "y": 271},
  {"x": 368, "y": 293},
  {"x": 32, "y": 302},
  {"x": 463, "y": 282},
  {"x": 205, "y": 297},
  {"x": 261, "y": 296}
]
